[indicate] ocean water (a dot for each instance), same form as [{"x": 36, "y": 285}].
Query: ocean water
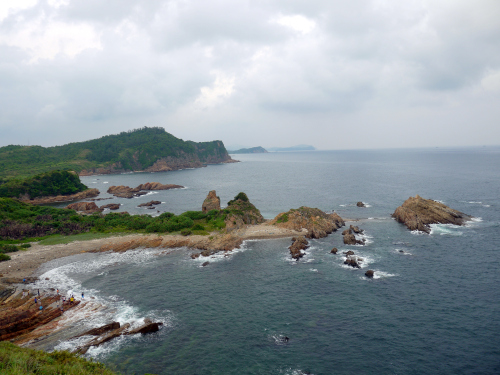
[{"x": 433, "y": 306}]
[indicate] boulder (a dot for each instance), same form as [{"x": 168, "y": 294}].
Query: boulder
[
  {"x": 111, "y": 206},
  {"x": 360, "y": 204},
  {"x": 418, "y": 213},
  {"x": 205, "y": 264},
  {"x": 356, "y": 229},
  {"x": 298, "y": 247},
  {"x": 84, "y": 207},
  {"x": 350, "y": 252},
  {"x": 334, "y": 250},
  {"x": 352, "y": 261},
  {"x": 369, "y": 274},
  {"x": 149, "y": 204},
  {"x": 317, "y": 223},
  {"x": 350, "y": 239},
  {"x": 211, "y": 202}
]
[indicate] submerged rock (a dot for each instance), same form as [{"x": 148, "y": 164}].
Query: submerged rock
[
  {"x": 122, "y": 191},
  {"x": 211, "y": 202},
  {"x": 111, "y": 206},
  {"x": 205, "y": 264},
  {"x": 418, "y": 213},
  {"x": 149, "y": 204}
]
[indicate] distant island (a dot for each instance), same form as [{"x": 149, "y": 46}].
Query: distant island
[
  {"x": 251, "y": 150},
  {"x": 145, "y": 149},
  {"x": 292, "y": 148}
]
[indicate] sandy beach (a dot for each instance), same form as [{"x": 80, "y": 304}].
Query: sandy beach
[{"x": 26, "y": 262}]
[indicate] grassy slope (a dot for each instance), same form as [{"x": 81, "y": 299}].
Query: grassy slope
[{"x": 16, "y": 361}]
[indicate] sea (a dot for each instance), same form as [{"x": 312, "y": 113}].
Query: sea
[{"x": 433, "y": 306}]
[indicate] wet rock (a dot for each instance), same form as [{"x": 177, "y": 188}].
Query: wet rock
[
  {"x": 418, "y": 213},
  {"x": 195, "y": 255},
  {"x": 350, "y": 239},
  {"x": 205, "y": 264},
  {"x": 350, "y": 252},
  {"x": 111, "y": 206},
  {"x": 146, "y": 328},
  {"x": 101, "y": 330},
  {"x": 158, "y": 186},
  {"x": 369, "y": 274},
  {"x": 334, "y": 250},
  {"x": 360, "y": 204},
  {"x": 297, "y": 248},
  {"x": 347, "y": 231},
  {"x": 356, "y": 229},
  {"x": 211, "y": 202},
  {"x": 352, "y": 261},
  {"x": 84, "y": 207},
  {"x": 149, "y": 204}
]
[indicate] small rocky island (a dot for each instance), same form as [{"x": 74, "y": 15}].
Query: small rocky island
[{"x": 418, "y": 213}]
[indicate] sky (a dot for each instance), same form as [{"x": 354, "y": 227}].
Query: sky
[{"x": 275, "y": 73}]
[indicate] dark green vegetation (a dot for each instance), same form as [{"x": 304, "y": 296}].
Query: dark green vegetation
[
  {"x": 20, "y": 361},
  {"x": 21, "y": 222},
  {"x": 132, "y": 150},
  {"x": 44, "y": 184},
  {"x": 251, "y": 150}
]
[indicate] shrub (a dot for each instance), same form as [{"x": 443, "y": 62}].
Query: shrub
[
  {"x": 4, "y": 257},
  {"x": 166, "y": 215},
  {"x": 8, "y": 249},
  {"x": 195, "y": 215},
  {"x": 241, "y": 196},
  {"x": 25, "y": 246},
  {"x": 198, "y": 227},
  {"x": 186, "y": 232}
]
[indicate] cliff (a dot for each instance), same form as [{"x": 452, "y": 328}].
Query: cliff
[{"x": 418, "y": 213}]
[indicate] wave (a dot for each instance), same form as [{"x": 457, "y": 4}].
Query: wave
[
  {"x": 96, "y": 309},
  {"x": 446, "y": 229}
]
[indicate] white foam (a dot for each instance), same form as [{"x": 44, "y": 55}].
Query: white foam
[
  {"x": 417, "y": 232},
  {"x": 382, "y": 274},
  {"x": 96, "y": 310},
  {"x": 445, "y": 229},
  {"x": 313, "y": 270},
  {"x": 105, "y": 182}
]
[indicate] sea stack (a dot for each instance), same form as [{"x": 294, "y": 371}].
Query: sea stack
[
  {"x": 418, "y": 213},
  {"x": 211, "y": 202}
]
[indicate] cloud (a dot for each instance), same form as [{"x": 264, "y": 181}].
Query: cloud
[{"x": 294, "y": 71}]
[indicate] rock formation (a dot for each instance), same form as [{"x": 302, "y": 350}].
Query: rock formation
[
  {"x": 352, "y": 261},
  {"x": 211, "y": 202},
  {"x": 149, "y": 204},
  {"x": 111, "y": 206},
  {"x": 334, "y": 250},
  {"x": 418, "y": 213},
  {"x": 241, "y": 212},
  {"x": 350, "y": 239},
  {"x": 298, "y": 246},
  {"x": 84, "y": 207},
  {"x": 317, "y": 223},
  {"x": 128, "y": 192},
  {"x": 369, "y": 274},
  {"x": 360, "y": 204},
  {"x": 356, "y": 229},
  {"x": 89, "y": 193}
]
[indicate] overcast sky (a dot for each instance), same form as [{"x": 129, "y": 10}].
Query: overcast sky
[{"x": 333, "y": 74}]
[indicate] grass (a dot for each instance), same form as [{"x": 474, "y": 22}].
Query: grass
[
  {"x": 58, "y": 239},
  {"x": 20, "y": 361}
]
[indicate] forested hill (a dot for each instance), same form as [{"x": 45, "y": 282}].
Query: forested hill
[{"x": 142, "y": 149}]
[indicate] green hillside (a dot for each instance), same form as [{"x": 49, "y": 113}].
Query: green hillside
[
  {"x": 44, "y": 184},
  {"x": 133, "y": 150},
  {"x": 252, "y": 150}
]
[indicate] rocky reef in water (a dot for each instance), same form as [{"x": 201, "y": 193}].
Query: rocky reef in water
[
  {"x": 418, "y": 213},
  {"x": 128, "y": 192},
  {"x": 318, "y": 223}
]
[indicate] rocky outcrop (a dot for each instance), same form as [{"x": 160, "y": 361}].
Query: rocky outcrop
[
  {"x": 298, "y": 246},
  {"x": 418, "y": 213},
  {"x": 89, "y": 193},
  {"x": 318, "y": 223},
  {"x": 84, "y": 207},
  {"x": 369, "y": 274},
  {"x": 149, "y": 204},
  {"x": 334, "y": 250},
  {"x": 356, "y": 229},
  {"x": 111, "y": 206},
  {"x": 360, "y": 204},
  {"x": 352, "y": 261},
  {"x": 211, "y": 202},
  {"x": 128, "y": 192},
  {"x": 350, "y": 239},
  {"x": 241, "y": 212}
]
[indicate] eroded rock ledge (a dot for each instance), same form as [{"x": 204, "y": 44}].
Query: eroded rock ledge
[
  {"x": 89, "y": 193},
  {"x": 418, "y": 213},
  {"x": 128, "y": 192}
]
